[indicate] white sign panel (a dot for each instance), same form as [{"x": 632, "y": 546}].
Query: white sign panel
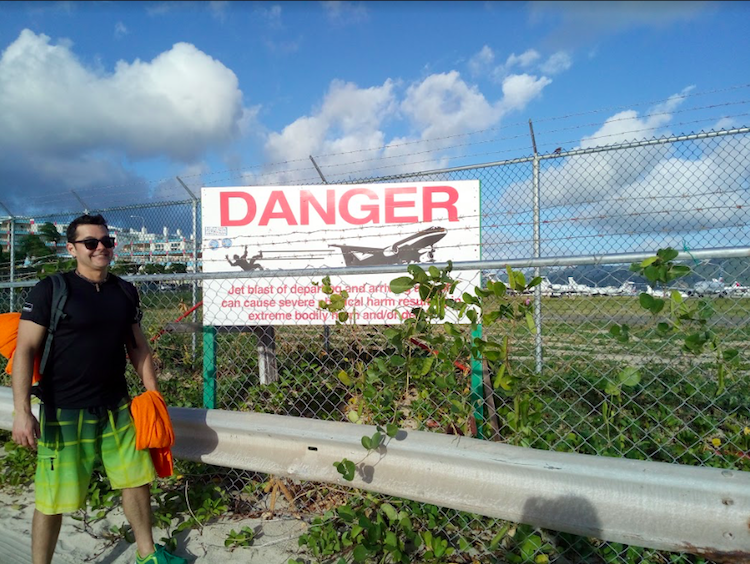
[{"x": 298, "y": 227}]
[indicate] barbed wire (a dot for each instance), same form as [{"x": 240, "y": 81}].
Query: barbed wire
[{"x": 246, "y": 169}]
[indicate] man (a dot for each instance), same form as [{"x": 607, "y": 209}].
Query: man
[
  {"x": 243, "y": 263},
  {"x": 85, "y": 404}
]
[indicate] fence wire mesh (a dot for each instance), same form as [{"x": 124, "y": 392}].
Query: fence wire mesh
[{"x": 612, "y": 375}]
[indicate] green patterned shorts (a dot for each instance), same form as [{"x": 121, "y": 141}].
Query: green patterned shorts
[{"x": 69, "y": 447}]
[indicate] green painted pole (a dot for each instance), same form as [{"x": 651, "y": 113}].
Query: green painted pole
[
  {"x": 209, "y": 367},
  {"x": 477, "y": 386}
]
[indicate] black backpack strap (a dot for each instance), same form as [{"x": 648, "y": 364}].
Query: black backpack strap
[{"x": 59, "y": 297}]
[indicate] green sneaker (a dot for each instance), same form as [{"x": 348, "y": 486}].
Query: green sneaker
[{"x": 159, "y": 556}]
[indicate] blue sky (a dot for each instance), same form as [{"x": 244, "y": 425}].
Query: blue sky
[{"x": 113, "y": 100}]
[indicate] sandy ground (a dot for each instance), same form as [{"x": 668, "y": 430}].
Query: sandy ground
[{"x": 275, "y": 541}]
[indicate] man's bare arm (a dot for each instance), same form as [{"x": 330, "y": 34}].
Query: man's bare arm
[
  {"x": 142, "y": 360},
  {"x": 28, "y": 346}
]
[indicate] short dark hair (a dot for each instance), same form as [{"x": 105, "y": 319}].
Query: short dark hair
[{"x": 85, "y": 219}]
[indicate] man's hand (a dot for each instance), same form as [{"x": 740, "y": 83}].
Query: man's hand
[{"x": 25, "y": 430}]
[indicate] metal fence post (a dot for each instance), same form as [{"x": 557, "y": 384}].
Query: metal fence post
[
  {"x": 195, "y": 251},
  {"x": 477, "y": 385},
  {"x": 11, "y": 252},
  {"x": 195, "y": 265},
  {"x": 537, "y": 254},
  {"x": 209, "y": 367}
]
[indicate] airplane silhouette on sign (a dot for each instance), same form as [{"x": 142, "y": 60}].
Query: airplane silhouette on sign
[{"x": 407, "y": 250}]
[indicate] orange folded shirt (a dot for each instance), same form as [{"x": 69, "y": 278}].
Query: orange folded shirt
[
  {"x": 8, "y": 337},
  {"x": 153, "y": 430}
]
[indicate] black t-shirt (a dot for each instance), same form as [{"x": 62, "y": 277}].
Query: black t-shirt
[{"x": 86, "y": 367}]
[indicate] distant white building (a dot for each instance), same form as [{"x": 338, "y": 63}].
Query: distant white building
[
  {"x": 140, "y": 247},
  {"x": 144, "y": 247}
]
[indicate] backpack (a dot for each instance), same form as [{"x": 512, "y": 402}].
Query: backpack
[{"x": 9, "y": 324}]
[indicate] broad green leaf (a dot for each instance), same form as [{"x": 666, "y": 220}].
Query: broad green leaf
[
  {"x": 389, "y": 511},
  {"x": 730, "y": 354},
  {"x": 678, "y": 271},
  {"x": 612, "y": 389},
  {"x": 397, "y": 360},
  {"x": 535, "y": 282},
  {"x": 426, "y": 365},
  {"x": 530, "y": 322},
  {"x": 343, "y": 316},
  {"x": 344, "y": 377},
  {"x": 667, "y": 254},
  {"x": 492, "y": 355},
  {"x": 481, "y": 292},
  {"x": 417, "y": 272},
  {"x": 360, "y": 553},
  {"x": 663, "y": 327},
  {"x": 657, "y": 305},
  {"x": 646, "y": 300},
  {"x": 424, "y": 292},
  {"x": 676, "y": 297},
  {"x": 346, "y": 513},
  {"x": 402, "y": 284},
  {"x": 491, "y": 317},
  {"x": 530, "y": 546},
  {"x": 649, "y": 261},
  {"x": 630, "y": 376},
  {"x": 499, "y": 289},
  {"x": 451, "y": 330},
  {"x": 352, "y": 416},
  {"x": 375, "y": 440}
]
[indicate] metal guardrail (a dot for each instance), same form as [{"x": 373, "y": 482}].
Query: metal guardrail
[{"x": 650, "y": 504}]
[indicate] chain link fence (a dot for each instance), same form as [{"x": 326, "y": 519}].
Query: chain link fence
[{"x": 595, "y": 367}]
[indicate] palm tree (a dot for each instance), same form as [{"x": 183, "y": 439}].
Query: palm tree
[
  {"x": 32, "y": 246},
  {"x": 49, "y": 232}
]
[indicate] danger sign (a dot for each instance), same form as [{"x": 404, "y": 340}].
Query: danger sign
[{"x": 299, "y": 227}]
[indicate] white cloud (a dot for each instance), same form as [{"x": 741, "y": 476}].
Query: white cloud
[
  {"x": 347, "y": 131},
  {"x": 524, "y": 60},
  {"x": 218, "y": 9},
  {"x": 644, "y": 189},
  {"x": 178, "y": 105},
  {"x": 580, "y": 22},
  {"x": 481, "y": 62},
  {"x": 120, "y": 30},
  {"x": 160, "y": 8},
  {"x": 556, "y": 63},
  {"x": 443, "y": 104},
  {"x": 348, "y": 121},
  {"x": 725, "y": 123},
  {"x": 272, "y": 15},
  {"x": 67, "y": 126},
  {"x": 345, "y": 12},
  {"x": 520, "y": 89}
]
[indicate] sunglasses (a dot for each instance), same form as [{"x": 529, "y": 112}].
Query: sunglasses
[{"x": 91, "y": 244}]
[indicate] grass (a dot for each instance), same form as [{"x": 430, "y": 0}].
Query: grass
[{"x": 673, "y": 414}]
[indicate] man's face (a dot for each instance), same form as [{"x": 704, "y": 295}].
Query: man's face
[{"x": 99, "y": 258}]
